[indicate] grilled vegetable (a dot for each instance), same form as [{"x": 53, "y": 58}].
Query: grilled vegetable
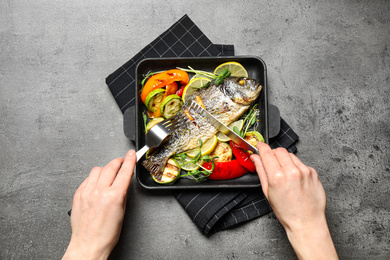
[
  {"x": 170, "y": 174},
  {"x": 253, "y": 137},
  {"x": 163, "y": 79},
  {"x": 170, "y": 106},
  {"x": 223, "y": 152},
  {"x": 226, "y": 170},
  {"x": 242, "y": 157},
  {"x": 154, "y": 99},
  {"x": 170, "y": 89},
  {"x": 153, "y": 122}
]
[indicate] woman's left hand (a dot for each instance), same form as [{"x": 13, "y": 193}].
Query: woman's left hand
[{"x": 98, "y": 209}]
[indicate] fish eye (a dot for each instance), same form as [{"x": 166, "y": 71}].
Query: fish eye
[{"x": 242, "y": 82}]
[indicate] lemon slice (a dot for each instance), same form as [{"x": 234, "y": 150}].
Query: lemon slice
[
  {"x": 224, "y": 138},
  {"x": 236, "y": 69},
  {"x": 186, "y": 165},
  {"x": 189, "y": 166},
  {"x": 207, "y": 147},
  {"x": 191, "y": 87},
  {"x": 238, "y": 123}
]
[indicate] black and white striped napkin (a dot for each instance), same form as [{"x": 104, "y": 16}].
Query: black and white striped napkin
[{"x": 211, "y": 211}]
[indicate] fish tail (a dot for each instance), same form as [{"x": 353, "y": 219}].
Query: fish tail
[{"x": 156, "y": 163}]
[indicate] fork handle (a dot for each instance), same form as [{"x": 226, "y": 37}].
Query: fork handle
[{"x": 141, "y": 152}]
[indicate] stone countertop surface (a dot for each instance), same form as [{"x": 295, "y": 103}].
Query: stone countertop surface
[{"x": 328, "y": 72}]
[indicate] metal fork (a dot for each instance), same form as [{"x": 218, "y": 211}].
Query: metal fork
[{"x": 158, "y": 133}]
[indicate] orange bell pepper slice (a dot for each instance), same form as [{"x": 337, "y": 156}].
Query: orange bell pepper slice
[{"x": 163, "y": 79}]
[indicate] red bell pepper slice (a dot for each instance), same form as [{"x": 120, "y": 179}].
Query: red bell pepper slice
[
  {"x": 242, "y": 157},
  {"x": 180, "y": 91},
  {"x": 225, "y": 170}
]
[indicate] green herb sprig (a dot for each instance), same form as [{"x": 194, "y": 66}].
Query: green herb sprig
[
  {"x": 249, "y": 120},
  {"x": 218, "y": 78},
  {"x": 145, "y": 117},
  {"x": 199, "y": 72},
  {"x": 221, "y": 77},
  {"x": 200, "y": 174}
]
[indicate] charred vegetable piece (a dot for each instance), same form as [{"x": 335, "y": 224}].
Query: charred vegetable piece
[
  {"x": 223, "y": 152},
  {"x": 153, "y": 122},
  {"x": 154, "y": 99},
  {"x": 170, "y": 89},
  {"x": 163, "y": 79},
  {"x": 253, "y": 137},
  {"x": 170, "y": 174},
  {"x": 170, "y": 106}
]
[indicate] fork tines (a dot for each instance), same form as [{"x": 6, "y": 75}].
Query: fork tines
[{"x": 174, "y": 123}]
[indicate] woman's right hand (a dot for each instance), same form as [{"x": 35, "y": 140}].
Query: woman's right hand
[{"x": 298, "y": 200}]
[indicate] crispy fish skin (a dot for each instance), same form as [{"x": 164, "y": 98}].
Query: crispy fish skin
[{"x": 227, "y": 102}]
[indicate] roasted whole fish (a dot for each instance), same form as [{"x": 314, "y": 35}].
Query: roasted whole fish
[{"x": 227, "y": 102}]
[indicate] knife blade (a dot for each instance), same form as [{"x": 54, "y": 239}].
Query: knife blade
[{"x": 224, "y": 129}]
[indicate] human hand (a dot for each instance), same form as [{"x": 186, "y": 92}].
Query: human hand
[
  {"x": 98, "y": 209},
  {"x": 298, "y": 200}
]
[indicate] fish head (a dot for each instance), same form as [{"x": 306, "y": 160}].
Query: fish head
[{"x": 241, "y": 90}]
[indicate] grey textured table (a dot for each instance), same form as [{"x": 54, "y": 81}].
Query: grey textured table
[{"x": 328, "y": 68}]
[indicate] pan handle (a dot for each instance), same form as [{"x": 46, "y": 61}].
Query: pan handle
[
  {"x": 273, "y": 121},
  {"x": 129, "y": 120},
  {"x": 129, "y": 123}
]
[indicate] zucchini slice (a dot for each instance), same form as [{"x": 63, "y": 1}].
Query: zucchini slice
[
  {"x": 253, "y": 137},
  {"x": 223, "y": 151},
  {"x": 154, "y": 99},
  {"x": 170, "y": 174},
  {"x": 154, "y": 122},
  {"x": 171, "y": 105}
]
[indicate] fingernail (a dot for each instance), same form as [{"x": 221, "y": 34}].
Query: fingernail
[{"x": 131, "y": 153}]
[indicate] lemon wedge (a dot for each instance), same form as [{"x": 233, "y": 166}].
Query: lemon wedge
[
  {"x": 236, "y": 69},
  {"x": 224, "y": 138},
  {"x": 207, "y": 147},
  {"x": 191, "y": 87}
]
